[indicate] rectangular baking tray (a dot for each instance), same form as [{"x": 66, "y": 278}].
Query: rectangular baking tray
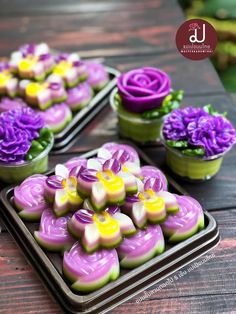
[
  {"x": 130, "y": 283},
  {"x": 63, "y": 139}
]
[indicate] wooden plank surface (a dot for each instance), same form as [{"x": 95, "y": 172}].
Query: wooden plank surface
[
  {"x": 212, "y": 285},
  {"x": 94, "y": 28}
]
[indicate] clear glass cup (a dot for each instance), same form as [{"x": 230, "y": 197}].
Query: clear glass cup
[
  {"x": 192, "y": 168},
  {"x": 12, "y": 173},
  {"x": 133, "y": 126}
]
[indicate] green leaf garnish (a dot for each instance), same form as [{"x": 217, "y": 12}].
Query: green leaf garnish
[
  {"x": 209, "y": 109},
  {"x": 38, "y": 145},
  {"x": 193, "y": 152},
  {"x": 171, "y": 102},
  {"x": 177, "y": 144}
]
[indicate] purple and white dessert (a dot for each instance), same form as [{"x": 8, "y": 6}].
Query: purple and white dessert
[
  {"x": 32, "y": 61},
  {"x": 89, "y": 272},
  {"x": 105, "y": 229},
  {"x": 97, "y": 75},
  {"x": 70, "y": 68},
  {"x": 141, "y": 247},
  {"x": 29, "y": 197},
  {"x": 53, "y": 234},
  {"x": 186, "y": 222},
  {"x": 144, "y": 207},
  {"x": 153, "y": 178},
  {"x": 57, "y": 117},
  {"x": 79, "y": 96},
  {"x": 61, "y": 191}
]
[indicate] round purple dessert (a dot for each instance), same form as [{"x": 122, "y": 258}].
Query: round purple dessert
[
  {"x": 89, "y": 272},
  {"x": 141, "y": 247},
  {"x": 143, "y": 89},
  {"x": 154, "y": 178},
  {"x": 57, "y": 117},
  {"x": 53, "y": 234},
  {"x": 29, "y": 197},
  {"x": 79, "y": 96},
  {"x": 97, "y": 75},
  {"x": 186, "y": 222},
  {"x": 7, "y": 103}
]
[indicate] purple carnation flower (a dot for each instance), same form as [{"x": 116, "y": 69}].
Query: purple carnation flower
[
  {"x": 24, "y": 119},
  {"x": 214, "y": 133},
  {"x": 175, "y": 126},
  {"x": 14, "y": 143}
]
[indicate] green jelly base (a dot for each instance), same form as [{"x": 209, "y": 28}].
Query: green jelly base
[
  {"x": 192, "y": 168},
  {"x": 134, "y": 127},
  {"x": 19, "y": 173}
]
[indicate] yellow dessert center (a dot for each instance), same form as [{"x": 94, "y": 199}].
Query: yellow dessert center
[
  {"x": 4, "y": 77},
  {"x": 26, "y": 64},
  {"x": 106, "y": 224},
  {"x": 62, "y": 67},
  {"x": 32, "y": 89},
  {"x": 152, "y": 202},
  {"x": 111, "y": 182}
]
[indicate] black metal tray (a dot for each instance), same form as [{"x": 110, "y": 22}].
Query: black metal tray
[
  {"x": 80, "y": 120},
  {"x": 130, "y": 283}
]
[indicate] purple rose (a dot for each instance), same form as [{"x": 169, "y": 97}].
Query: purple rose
[
  {"x": 214, "y": 133},
  {"x": 175, "y": 125},
  {"x": 143, "y": 89},
  {"x": 14, "y": 143},
  {"x": 24, "y": 119}
]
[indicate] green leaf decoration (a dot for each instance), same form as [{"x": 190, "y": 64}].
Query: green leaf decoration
[
  {"x": 193, "y": 152},
  {"x": 38, "y": 145},
  {"x": 171, "y": 102},
  {"x": 209, "y": 109},
  {"x": 177, "y": 144}
]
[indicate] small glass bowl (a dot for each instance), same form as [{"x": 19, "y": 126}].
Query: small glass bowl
[
  {"x": 133, "y": 126},
  {"x": 192, "y": 168},
  {"x": 13, "y": 173}
]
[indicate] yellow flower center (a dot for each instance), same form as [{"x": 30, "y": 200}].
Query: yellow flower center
[
  {"x": 62, "y": 67},
  {"x": 111, "y": 182},
  {"x": 106, "y": 224}
]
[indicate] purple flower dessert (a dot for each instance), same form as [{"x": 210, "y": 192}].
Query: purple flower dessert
[
  {"x": 70, "y": 68},
  {"x": 148, "y": 206},
  {"x": 153, "y": 178},
  {"x": 32, "y": 61},
  {"x": 141, "y": 247},
  {"x": 7, "y": 103},
  {"x": 97, "y": 75},
  {"x": 23, "y": 138},
  {"x": 143, "y": 89},
  {"x": 142, "y": 99},
  {"x": 89, "y": 272},
  {"x": 79, "y": 96},
  {"x": 186, "y": 222},
  {"x": 104, "y": 229},
  {"x": 53, "y": 234},
  {"x": 56, "y": 117},
  {"x": 29, "y": 197},
  {"x": 24, "y": 119},
  {"x": 201, "y": 134}
]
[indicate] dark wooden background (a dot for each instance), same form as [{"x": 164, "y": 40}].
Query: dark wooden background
[{"x": 127, "y": 34}]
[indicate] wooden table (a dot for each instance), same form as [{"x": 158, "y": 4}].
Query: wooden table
[{"x": 128, "y": 34}]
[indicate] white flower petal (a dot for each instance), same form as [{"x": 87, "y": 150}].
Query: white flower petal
[
  {"x": 93, "y": 163},
  {"x": 104, "y": 153},
  {"x": 62, "y": 171}
]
